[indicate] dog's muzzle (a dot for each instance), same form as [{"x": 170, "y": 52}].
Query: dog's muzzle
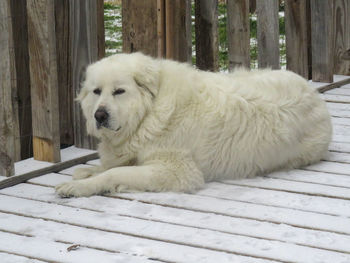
[{"x": 101, "y": 117}]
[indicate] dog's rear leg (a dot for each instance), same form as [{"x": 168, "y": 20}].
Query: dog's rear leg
[{"x": 175, "y": 174}]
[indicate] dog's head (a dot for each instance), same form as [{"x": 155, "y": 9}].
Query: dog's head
[{"x": 118, "y": 92}]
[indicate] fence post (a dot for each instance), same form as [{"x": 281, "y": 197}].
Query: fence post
[
  {"x": 322, "y": 40},
  {"x": 44, "y": 83},
  {"x": 140, "y": 26},
  {"x": 207, "y": 44},
  {"x": 84, "y": 50},
  {"x": 298, "y": 36},
  {"x": 238, "y": 34},
  {"x": 9, "y": 130},
  {"x": 20, "y": 41},
  {"x": 268, "y": 33},
  {"x": 178, "y": 30},
  {"x": 342, "y": 37}
]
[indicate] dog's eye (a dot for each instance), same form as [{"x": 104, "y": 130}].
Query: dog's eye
[
  {"x": 97, "y": 91},
  {"x": 118, "y": 92}
]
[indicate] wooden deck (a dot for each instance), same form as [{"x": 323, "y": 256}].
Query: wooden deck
[{"x": 296, "y": 216}]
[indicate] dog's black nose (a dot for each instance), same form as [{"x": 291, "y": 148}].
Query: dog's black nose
[{"x": 101, "y": 115}]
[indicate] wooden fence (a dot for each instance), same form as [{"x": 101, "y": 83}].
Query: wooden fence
[{"x": 47, "y": 44}]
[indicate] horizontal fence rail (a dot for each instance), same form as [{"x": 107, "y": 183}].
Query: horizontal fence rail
[{"x": 46, "y": 46}]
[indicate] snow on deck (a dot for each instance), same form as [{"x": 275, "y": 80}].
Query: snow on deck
[{"x": 296, "y": 216}]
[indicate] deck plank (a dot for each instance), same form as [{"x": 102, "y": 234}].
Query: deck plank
[
  {"x": 259, "y": 212},
  {"x": 294, "y": 187},
  {"x": 48, "y": 250},
  {"x": 11, "y": 258},
  {"x": 330, "y": 167},
  {"x": 220, "y": 240},
  {"x": 313, "y": 177}
]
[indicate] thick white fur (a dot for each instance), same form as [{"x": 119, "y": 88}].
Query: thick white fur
[{"x": 180, "y": 127}]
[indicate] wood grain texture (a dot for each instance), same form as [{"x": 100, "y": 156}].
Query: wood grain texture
[
  {"x": 9, "y": 128},
  {"x": 342, "y": 37},
  {"x": 140, "y": 26},
  {"x": 43, "y": 75},
  {"x": 178, "y": 30},
  {"x": 161, "y": 28},
  {"x": 298, "y": 36},
  {"x": 207, "y": 44},
  {"x": 268, "y": 34},
  {"x": 322, "y": 40},
  {"x": 20, "y": 39},
  {"x": 238, "y": 34},
  {"x": 100, "y": 30},
  {"x": 64, "y": 71},
  {"x": 84, "y": 50}
]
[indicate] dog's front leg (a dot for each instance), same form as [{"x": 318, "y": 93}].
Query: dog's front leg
[
  {"x": 154, "y": 175},
  {"x": 82, "y": 173}
]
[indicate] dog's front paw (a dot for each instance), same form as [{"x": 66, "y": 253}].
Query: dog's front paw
[
  {"x": 74, "y": 189},
  {"x": 82, "y": 173}
]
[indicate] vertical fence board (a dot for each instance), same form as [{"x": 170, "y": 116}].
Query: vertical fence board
[
  {"x": 298, "y": 36},
  {"x": 84, "y": 50},
  {"x": 178, "y": 30},
  {"x": 100, "y": 29},
  {"x": 268, "y": 33},
  {"x": 64, "y": 71},
  {"x": 9, "y": 130},
  {"x": 139, "y": 18},
  {"x": 342, "y": 37},
  {"x": 161, "y": 28},
  {"x": 238, "y": 33},
  {"x": 207, "y": 45},
  {"x": 44, "y": 83},
  {"x": 20, "y": 40},
  {"x": 322, "y": 40}
]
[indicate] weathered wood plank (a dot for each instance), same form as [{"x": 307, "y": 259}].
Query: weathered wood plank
[
  {"x": 101, "y": 47},
  {"x": 161, "y": 28},
  {"x": 313, "y": 177},
  {"x": 178, "y": 39},
  {"x": 64, "y": 69},
  {"x": 341, "y": 192},
  {"x": 9, "y": 129},
  {"x": 140, "y": 26},
  {"x": 238, "y": 34},
  {"x": 310, "y": 203},
  {"x": 165, "y": 245},
  {"x": 268, "y": 34},
  {"x": 198, "y": 219},
  {"x": 322, "y": 40},
  {"x": 298, "y": 37},
  {"x": 20, "y": 39},
  {"x": 44, "y": 82},
  {"x": 84, "y": 50},
  {"x": 11, "y": 258},
  {"x": 44, "y": 249},
  {"x": 330, "y": 167},
  {"x": 341, "y": 37},
  {"x": 336, "y": 98},
  {"x": 207, "y": 43},
  {"x": 339, "y": 147}
]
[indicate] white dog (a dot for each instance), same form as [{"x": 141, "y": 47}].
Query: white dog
[{"x": 165, "y": 126}]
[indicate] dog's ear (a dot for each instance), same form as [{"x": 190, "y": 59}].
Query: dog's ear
[{"x": 146, "y": 74}]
